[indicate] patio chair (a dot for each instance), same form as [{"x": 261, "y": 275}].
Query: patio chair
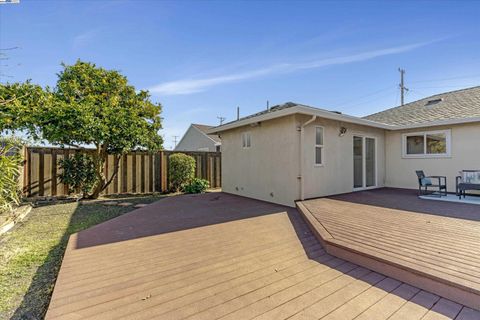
[{"x": 426, "y": 181}]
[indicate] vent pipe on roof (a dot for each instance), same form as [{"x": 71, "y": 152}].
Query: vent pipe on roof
[
  {"x": 268, "y": 105},
  {"x": 238, "y": 113}
]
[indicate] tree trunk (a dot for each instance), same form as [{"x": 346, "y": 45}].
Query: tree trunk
[
  {"x": 103, "y": 181},
  {"x": 100, "y": 158}
]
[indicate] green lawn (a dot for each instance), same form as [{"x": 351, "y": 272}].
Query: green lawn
[{"x": 31, "y": 253}]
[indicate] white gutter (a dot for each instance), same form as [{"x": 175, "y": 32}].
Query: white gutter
[
  {"x": 301, "y": 109},
  {"x": 302, "y": 154}
]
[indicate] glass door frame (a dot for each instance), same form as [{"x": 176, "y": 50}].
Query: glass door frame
[{"x": 364, "y": 163}]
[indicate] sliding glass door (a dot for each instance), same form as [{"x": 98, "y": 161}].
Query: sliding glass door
[
  {"x": 357, "y": 162},
  {"x": 364, "y": 162}
]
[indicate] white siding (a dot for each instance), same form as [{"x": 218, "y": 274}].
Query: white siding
[{"x": 194, "y": 140}]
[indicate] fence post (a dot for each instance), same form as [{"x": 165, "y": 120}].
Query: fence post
[{"x": 53, "y": 173}]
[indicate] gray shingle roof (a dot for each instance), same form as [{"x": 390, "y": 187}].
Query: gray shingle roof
[
  {"x": 204, "y": 128},
  {"x": 459, "y": 104},
  {"x": 277, "y": 107}
]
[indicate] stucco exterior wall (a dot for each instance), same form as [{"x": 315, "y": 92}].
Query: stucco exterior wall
[
  {"x": 194, "y": 140},
  {"x": 336, "y": 174},
  {"x": 465, "y": 154},
  {"x": 267, "y": 170}
]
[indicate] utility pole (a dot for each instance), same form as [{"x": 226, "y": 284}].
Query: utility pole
[
  {"x": 221, "y": 119},
  {"x": 175, "y": 141},
  {"x": 402, "y": 87}
]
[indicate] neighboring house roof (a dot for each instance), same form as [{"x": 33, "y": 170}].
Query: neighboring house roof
[
  {"x": 204, "y": 129},
  {"x": 453, "y": 105}
]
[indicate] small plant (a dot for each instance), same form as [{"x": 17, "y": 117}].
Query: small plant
[
  {"x": 181, "y": 170},
  {"x": 196, "y": 186},
  {"x": 78, "y": 173},
  {"x": 10, "y": 161}
]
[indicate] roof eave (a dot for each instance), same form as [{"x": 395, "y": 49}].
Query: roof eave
[
  {"x": 301, "y": 110},
  {"x": 436, "y": 123}
]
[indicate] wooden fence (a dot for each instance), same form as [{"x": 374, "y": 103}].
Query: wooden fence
[{"x": 139, "y": 172}]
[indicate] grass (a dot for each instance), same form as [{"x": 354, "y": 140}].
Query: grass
[{"x": 31, "y": 254}]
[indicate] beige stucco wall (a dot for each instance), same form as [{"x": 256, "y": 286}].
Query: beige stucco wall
[
  {"x": 272, "y": 164},
  {"x": 336, "y": 174},
  {"x": 193, "y": 140},
  {"x": 267, "y": 170},
  {"x": 465, "y": 154}
]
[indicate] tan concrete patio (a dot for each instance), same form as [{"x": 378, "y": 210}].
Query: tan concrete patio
[{"x": 221, "y": 256}]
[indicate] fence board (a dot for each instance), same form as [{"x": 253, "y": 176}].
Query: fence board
[{"x": 139, "y": 172}]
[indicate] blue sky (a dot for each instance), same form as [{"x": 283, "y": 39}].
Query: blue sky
[{"x": 202, "y": 59}]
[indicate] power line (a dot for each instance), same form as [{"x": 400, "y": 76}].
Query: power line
[
  {"x": 348, "y": 102},
  {"x": 442, "y": 87},
  {"x": 445, "y": 79}
]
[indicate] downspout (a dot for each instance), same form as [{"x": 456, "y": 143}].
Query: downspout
[{"x": 302, "y": 169}]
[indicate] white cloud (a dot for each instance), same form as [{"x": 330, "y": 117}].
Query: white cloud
[
  {"x": 188, "y": 86},
  {"x": 84, "y": 38}
]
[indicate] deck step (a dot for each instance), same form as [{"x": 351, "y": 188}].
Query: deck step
[{"x": 434, "y": 281}]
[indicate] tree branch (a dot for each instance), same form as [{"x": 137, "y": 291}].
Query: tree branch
[{"x": 116, "y": 166}]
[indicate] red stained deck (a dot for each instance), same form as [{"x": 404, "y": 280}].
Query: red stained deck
[
  {"x": 218, "y": 256},
  {"x": 431, "y": 244}
]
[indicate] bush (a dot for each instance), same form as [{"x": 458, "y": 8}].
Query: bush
[
  {"x": 78, "y": 173},
  {"x": 181, "y": 170},
  {"x": 197, "y": 186},
  {"x": 10, "y": 161}
]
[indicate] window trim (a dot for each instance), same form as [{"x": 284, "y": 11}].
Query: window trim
[
  {"x": 425, "y": 155},
  {"x": 246, "y": 134},
  {"x": 321, "y": 146}
]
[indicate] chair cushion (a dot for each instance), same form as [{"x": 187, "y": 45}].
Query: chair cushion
[{"x": 426, "y": 182}]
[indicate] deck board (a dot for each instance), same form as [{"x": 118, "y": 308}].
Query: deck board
[
  {"x": 441, "y": 248},
  {"x": 219, "y": 256}
]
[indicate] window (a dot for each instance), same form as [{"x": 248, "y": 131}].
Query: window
[
  {"x": 246, "y": 140},
  {"x": 318, "y": 146},
  {"x": 428, "y": 144}
]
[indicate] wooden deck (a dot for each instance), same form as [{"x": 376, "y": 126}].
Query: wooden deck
[
  {"x": 221, "y": 256},
  {"x": 435, "y": 252}
]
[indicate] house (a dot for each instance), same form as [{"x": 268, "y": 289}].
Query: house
[
  {"x": 197, "y": 138},
  {"x": 293, "y": 152}
]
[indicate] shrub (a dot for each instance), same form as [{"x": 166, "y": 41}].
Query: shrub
[
  {"x": 197, "y": 186},
  {"x": 181, "y": 170},
  {"x": 10, "y": 161},
  {"x": 78, "y": 173}
]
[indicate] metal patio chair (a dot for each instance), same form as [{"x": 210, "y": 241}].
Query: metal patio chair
[{"x": 425, "y": 182}]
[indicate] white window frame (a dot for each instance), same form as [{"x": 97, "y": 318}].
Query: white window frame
[
  {"x": 321, "y": 146},
  {"x": 425, "y": 155},
  {"x": 246, "y": 139}
]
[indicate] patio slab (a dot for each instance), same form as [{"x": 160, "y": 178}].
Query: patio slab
[
  {"x": 436, "y": 252},
  {"x": 217, "y": 256},
  {"x": 453, "y": 198}
]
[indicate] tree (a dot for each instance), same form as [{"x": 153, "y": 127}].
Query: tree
[
  {"x": 93, "y": 106},
  {"x": 19, "y": 103}
]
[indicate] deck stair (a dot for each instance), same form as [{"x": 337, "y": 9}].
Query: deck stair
[{"x": 435, "y": 253}]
